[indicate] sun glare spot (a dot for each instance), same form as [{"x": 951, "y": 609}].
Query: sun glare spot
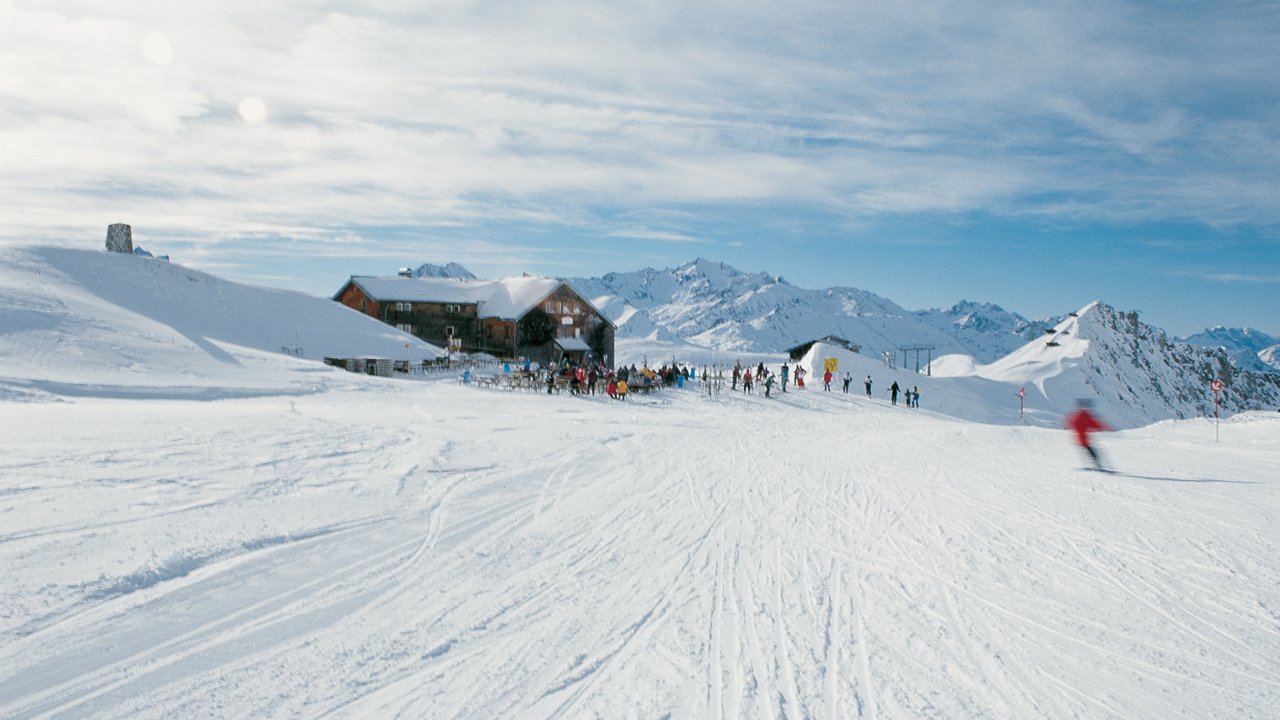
[{"x": 253, "y": 111}]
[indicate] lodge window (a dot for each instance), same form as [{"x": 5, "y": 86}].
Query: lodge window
[
  {"x": 364, "y": 305},
  {"x": 405, "y": 327},
  {"x": 449, "y": 330},
  {"x": 404, "y": 307},
  {"x": 452, "y": 308}
]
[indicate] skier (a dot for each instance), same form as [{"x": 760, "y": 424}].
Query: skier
[
  {"x": 826, "y": 381},
  {"x": 768, "y": 384},
  {"x": 1083, "y": 422},
  {"x": 847, "y": 379},
  {"x": 893, "y": 392},
  {"x": 915, "y": 397},
  {"x": 746, "y": 382},
  {"x": 786, "y": 372},
  {"x": 799, "y": 377},
  {"x": 868, "y": 384}
]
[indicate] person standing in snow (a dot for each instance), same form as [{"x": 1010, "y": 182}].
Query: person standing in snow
[
  {"x": 768, "y": 384},
  {"x": 746, "y": 382},
  {"x": 867, "y": 382},
  {"x": 826, "y": 381},
  {"x": 893, "y": 392},
  {"x": 785, "y": 373},
  {"x": 799, "y": 377},
  {"x": 737, "y": 372},
  {"x": 847, "y": 379},
  {"x": 1082, "y": 422},
  {"x": 915, "y": 397}
]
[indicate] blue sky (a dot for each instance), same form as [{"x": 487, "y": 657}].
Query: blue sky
[{"x": 1035, "y": 157}]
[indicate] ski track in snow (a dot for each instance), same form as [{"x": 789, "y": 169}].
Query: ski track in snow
[{"x": 439, "y": 551}]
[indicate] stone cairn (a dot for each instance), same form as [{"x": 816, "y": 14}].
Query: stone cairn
[{"x": 120, "y": 238}]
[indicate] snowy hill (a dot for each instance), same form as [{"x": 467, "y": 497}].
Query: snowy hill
[
  {"x": 1249, "y": 349},
  {"x": 716, "y": 306},
  {"x": 86, "y": 322},
  {"x": 1133, "y": 370}
]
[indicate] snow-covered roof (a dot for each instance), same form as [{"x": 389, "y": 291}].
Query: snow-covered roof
[
  {"x": 507, "y": 298},
  {"x": 572, "y": 344}
]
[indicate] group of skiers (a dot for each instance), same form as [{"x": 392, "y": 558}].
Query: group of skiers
[
  {"x": 750, "y": 377},
  {"x": 584, "y": 379},
  {"x": 910, "y": 397}
]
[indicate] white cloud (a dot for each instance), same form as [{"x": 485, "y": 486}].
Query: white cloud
[
  {"x": 659, "y": 235},
  {"x": 399, "y": 114}
]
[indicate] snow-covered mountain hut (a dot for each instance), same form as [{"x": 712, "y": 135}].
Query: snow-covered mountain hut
[
  {"x": 537, "y": 317},
  {"x": 800, "y": 350}
]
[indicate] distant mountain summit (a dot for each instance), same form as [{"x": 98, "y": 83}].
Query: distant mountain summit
[
  {"x": 1247, "y": 348},
  {"x": 452, "y": 270},
  {"x": 983, "y": 328}
]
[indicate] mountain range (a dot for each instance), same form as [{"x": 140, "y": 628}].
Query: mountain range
[
  {"x": 1136, "y": 372},
  {"x": 713, "y": 305},
  {"x": 1248, "y": 349}
]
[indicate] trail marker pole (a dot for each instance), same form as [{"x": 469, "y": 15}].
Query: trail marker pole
[
  {"x": 1022, "y": 404},
  {"x": 1216, "y": 386}
]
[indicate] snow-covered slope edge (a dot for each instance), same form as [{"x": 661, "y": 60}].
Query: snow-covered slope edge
[{"x": 79, "y": 322}]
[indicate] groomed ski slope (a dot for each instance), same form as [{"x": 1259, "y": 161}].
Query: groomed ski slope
[{"x": 429, "y": 550}]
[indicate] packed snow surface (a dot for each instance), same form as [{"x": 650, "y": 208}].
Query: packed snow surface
[
  {"x": 196, "y": 524},
  {"x": 399, "y": 548}
]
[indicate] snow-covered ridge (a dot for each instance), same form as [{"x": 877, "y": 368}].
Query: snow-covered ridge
[
  {"x": 1133, "y": 370},
  {"x": 715, "y": 306},
  {"x": 80, "y": 322},
  {"x": 1249, "y": 349}
]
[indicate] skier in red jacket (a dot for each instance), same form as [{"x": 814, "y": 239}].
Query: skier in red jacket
[{"x": 1084, "y": 422}]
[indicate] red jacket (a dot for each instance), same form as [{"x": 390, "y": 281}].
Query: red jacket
[{"x": 1083, "y": 422}]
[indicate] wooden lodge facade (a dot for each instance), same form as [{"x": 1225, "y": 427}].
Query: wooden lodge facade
[{"x": 540, "y": 318}]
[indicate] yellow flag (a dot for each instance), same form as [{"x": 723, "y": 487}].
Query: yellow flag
[{"x": 830, "y": 364}]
